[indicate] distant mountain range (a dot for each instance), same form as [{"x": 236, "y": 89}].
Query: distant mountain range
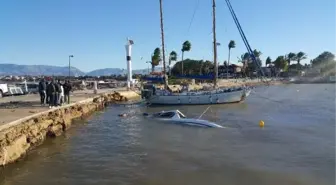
[
  {"x": 106, "y": 72},
  {"x": 35, "y": 70}
]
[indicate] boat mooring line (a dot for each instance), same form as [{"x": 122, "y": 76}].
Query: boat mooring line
[
  {"x": 254, "y": 92},
  {"x": 203, "y": 112}
]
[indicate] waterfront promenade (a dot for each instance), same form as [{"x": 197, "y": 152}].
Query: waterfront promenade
[{"x": 16, "y": 107}]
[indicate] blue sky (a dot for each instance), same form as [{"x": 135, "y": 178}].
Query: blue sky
[{"x": 47, "y": 31}]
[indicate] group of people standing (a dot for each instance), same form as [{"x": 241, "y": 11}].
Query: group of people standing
[{"x": 54, "y": 93}]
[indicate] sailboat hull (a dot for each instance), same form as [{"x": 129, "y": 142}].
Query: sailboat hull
[{"x": 200, "y": 99}]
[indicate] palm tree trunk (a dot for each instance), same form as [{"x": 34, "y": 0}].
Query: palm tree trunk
[
  {"x": 153, "y": 68},
  {"x": 182, "y": 63},
  {"x": 228, "y": 64}
]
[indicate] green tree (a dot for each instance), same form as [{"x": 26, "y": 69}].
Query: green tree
[
  {"x": 291, "y": 57},
  {"x": 257, "y": 53},
  {"x": 300, "y": 56},
  {"x": 225, "y": 63},
  {"x": 193, "y": 67},
  {"x": 245, "y": 60},
  {"x": 306, "y": 66},
  {"x": 255, "y": 65},
  {"x": 156, "y": 58},
  {"x": 325, "y": 62},
  {"x": 201, "y": 68},
  {"x": 268, "y": 61},
  {"x": 244, "y": 57},
  {"x": 172, "y": 57},
  {"x": 231, "y": 45},
  {"x": 186, "y": 46},
  {"x": 281, "y": 63},
  {"x": 294, "y": 67},
  {"x": 323, "y": 59}
]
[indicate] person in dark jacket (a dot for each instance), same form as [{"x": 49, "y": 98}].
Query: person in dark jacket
[
  {"x": 67, "y": 88},
  {"x": 57, "y": 93},
  {"x": 51, "y": 90},
  {"x": 47, "y": 93},
  {"x": 42, "y": 90}
]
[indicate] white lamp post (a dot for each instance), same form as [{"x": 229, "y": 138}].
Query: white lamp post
[{"x": 128, "y": 47}]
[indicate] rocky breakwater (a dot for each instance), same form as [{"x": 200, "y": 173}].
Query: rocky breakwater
[
  {"x": 250, "y": 82},
  {"x": 20, "y": 136}
]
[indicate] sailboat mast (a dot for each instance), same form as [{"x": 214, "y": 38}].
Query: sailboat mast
[
  {"x": 214, "y": 42},
  {"x": 163, "y": 48}
]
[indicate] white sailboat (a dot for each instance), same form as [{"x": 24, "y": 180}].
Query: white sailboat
[
  {"x": 156, "y": 96},
  {"x": 219, "y": 96}
]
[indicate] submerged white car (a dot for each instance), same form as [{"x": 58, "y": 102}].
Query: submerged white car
[{"x": 175, "y": 116}]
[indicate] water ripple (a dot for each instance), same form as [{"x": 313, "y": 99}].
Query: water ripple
[{"x": 297, "y": 145}]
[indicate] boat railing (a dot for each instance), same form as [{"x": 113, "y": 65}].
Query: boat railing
[{"x": 198, "y": 93}]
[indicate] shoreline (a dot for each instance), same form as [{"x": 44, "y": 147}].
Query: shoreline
[
  {"x": 251, "y": 82},
  {"x": 20, "y": 136}
]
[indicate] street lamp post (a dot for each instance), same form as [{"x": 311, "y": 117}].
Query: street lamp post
[{"x": 70, "y": 56}]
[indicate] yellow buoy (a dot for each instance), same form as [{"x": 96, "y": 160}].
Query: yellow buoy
[{"x": 261, "y": 123}]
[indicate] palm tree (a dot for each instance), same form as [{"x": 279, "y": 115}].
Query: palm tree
[
  {"x": 291, "y": 57},
  {"x": 231, "y": 45},
  {"x": 186, "y": 46},
  {"x": 257, "y": 53},
  {"x": 244, "y": 59},
  {"x": 172, "y": 57},
  {"x": 281, "y": 63},
  {"x": 256, "y": 65},
  {"x": 300, "y": 56},
  {"x": 156, "y": 58},
  {"x": 268, "y": 61}
]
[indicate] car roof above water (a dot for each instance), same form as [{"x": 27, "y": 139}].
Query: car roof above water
[{"x": 169, "y": 114}]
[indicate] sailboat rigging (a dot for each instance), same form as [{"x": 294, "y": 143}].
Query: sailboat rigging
[
  {"x": 214, "y": 42},
  {"x": 163, "y": 48},
  {"x": 156, "y": 96},
  {"x": 242, "y": 34}
]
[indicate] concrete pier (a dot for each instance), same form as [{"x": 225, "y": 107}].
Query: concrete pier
[
  {"x": 15, "y": 107},
  {"x": 25, "y": 124}
]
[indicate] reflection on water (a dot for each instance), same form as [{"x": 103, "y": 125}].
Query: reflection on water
[{"x": 297, "y": 145}]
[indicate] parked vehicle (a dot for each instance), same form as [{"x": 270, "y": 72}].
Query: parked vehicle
[
  {"x": 6, "y": 90},
  {"x": 3, "y": 90},
  {"x": 32, "y": 87}
]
